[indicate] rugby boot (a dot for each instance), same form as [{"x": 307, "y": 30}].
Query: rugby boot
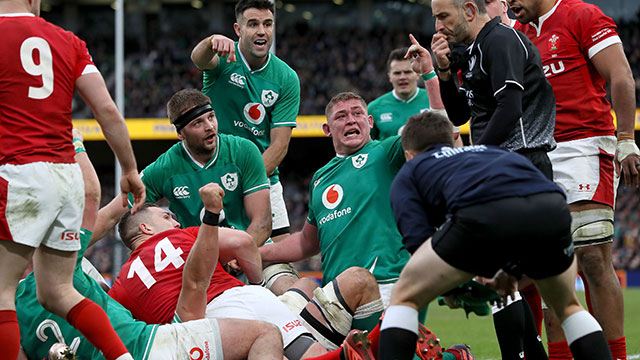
[
  {"x": 428, "y": 345},
  {"x": 356, "y": 346},
  {"x": 461, "y": 351}
]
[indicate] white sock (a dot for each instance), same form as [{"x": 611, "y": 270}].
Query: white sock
[
  {"x": 578, "y": 325},
  {"x": 402, "y": 317}
]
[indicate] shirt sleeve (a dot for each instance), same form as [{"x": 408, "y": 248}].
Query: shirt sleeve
[
  {"x": 311, "y": 217},
  {"x": 286, "y": 108},
  {"x": 151, "y": 178},
  {"x": 594, "y": 30},
  {"x": 504, "y": 59},
  {"x": 254, "y": 175},
  {"x": 409, "y": 212},
  {"x": 84, "y": 63},
  {"x": 394, "y": 152},
  {"x": 210, "y": 76}
]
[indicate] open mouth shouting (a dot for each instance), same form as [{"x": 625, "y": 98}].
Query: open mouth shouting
[
  {"x": 210, "y": 139},
  {"x": 352, "y": 133},
  {"x": 260, "y": 43}
]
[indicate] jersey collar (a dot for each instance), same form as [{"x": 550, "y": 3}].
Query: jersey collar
[
  {"x": 410, "y": 99},
  {"x": 264, "y": 66},
  {"x": 544, "y": 17},
  {"x": 17, "y": 14},
  {"x": 198, "y": 163},
  {"x": 486, "y": 29}
]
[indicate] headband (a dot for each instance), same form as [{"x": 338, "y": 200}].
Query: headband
[{"x": 184, "y": 119}]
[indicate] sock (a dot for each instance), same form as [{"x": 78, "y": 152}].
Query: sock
[
  {"x": 530, "y": 293},
  {"x": 89, "y": 318},
  {"x": 398, "y": 333},
  {"x": 585, "y": 337},
  {"x": 373, "y": 337},
  {"x": 533, "y": 347},
  {"x": 618, "y": 348},
  {"x": 587, "y": 294},
  {"x": 509, "y": 325},
  {"x": 448, "y": 356},
  {"x": 559, "y": 351},
  {"x": 9, "y": 334},
  {"x": 367, "y": 316}
]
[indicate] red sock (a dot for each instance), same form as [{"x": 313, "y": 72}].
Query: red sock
[
  {"x": 586, "y": 291},
  {"x": 93, "y": 323},
  {"x": 9, "y": 333},
  {"x": 618, "y": 348},
  {"x": 559, "y": 351},
  {"x": 530, "y": 293}
]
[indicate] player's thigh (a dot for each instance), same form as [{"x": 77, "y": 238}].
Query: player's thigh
[
  {"x": 196, "y": 339},
  {"x": 280, "y": 217},
  {"x": 43, "y": 204},
  {"x": 256, "y": 303},
  {"x": 14, "y": 259},
  {"x": 426, "y": 276},
  {"x": 53, "y": 270},
  {"x": 584, "y": 169}
]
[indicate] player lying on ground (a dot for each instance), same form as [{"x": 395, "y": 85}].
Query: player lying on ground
[
  {"x": 479, "y": 198},
  {"x": 231, "y": 338},
  {"x": 149, "y": 286}
]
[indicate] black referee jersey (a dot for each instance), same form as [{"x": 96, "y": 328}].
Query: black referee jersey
[{"x": 499, "y": 66}]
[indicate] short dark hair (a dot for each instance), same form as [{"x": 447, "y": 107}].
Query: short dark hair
[
  {"x": 426, "y": 129},
  {"x": 482, "y": 9},
  {"x": 243, "y": 5},
  {"x": 343, "y": 96},
  {"x": 396, "y": 55},
  {"x": 128, "y": 227},
  {"x": 183, "y": 100}
]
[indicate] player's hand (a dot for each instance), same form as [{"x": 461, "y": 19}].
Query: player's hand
[
  {"x": 233, "y": 264},
  {"x": 211, "y": 195},
  {"x": 419, "y": 56},
  {"x": 131, "y": 183},
  {"x": 223, "y": 46},
  {"x": 505, "y": 285},
  {"x": 627, "y": 160},
  {"x": 441, "y": 50}
]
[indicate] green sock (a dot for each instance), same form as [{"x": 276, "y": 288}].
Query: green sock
[
  {"x": 448, "y": 356},
  {"x": 366, "y": 323}
]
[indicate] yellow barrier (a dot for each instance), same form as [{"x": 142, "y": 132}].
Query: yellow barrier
[{"x": 161, "y": 128}]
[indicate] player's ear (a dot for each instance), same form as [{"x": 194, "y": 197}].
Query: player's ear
[
  {"x": 236, "y": 28},
  {"x": 370, "y": 121},
  {"x": 145, "y": 229},
  {"x": 408, "y": 154},
  {"x": 470, "y": 10},
  {"x": 326, "y": 129}
]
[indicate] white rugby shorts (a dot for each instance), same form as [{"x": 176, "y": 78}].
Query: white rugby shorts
[
  {"x": 253, "y": 302},
  {"x": 42, "y": 203},
  {"x": 584, "y": 169},
  {"x": 196, "y": 339},
  {"x": 279, "y": 215}
]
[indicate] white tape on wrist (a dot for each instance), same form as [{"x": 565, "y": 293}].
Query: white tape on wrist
[{"x": 626, "y": 148}]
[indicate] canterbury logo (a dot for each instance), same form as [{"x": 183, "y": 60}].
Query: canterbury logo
[
  {"x": 237, "y": 79},
  {"x": 181, "y": 192}
]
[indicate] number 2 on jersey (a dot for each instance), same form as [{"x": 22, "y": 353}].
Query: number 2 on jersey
[
  {"x": 160, "y": 262},
  {"x": 44, "y": 68}
]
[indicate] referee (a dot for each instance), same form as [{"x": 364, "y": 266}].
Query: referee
[{"x": 503, "y": 88}]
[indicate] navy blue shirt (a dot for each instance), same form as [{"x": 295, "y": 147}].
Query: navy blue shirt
[{"x": 437, "y": 183}]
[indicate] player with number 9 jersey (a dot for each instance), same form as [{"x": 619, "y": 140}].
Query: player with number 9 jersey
[{"x": 40, "y": 64}]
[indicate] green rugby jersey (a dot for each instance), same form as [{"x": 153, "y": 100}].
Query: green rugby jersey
[
  {"x": 248, "y": 103},
  {"x": 41, "y": 329},
  {"x": 390, "y": 113},
  {"x": 349, "y": 204},
  {"x": 236, "y": 166}
]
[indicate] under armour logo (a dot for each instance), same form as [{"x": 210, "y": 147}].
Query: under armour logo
[{"x": 584, "y": 187}]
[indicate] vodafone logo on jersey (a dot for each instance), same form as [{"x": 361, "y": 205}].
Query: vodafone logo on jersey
[
  {"x": 332, "y": 196},
  {"x": 254, "y": 113}
]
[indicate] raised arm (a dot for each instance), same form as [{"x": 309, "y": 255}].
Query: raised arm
[
  {"x": 205, "y": 54},
  {"x": 202, "y": 259},
  {"x": 93, "y": 91}
]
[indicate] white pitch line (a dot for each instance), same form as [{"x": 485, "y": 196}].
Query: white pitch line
[{"x": 631, "y": 357}]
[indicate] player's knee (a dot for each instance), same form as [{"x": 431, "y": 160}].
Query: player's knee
[
  {"x": 594, "y": 264},
  {"x": 273, "y": 272},
  {"x": 359, "y": 278}
]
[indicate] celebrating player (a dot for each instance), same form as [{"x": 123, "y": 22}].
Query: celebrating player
[
  {"x": 581, "y": 52},
  {"x": 40, "y": 183},
  {"x": 255, "y": 94}
]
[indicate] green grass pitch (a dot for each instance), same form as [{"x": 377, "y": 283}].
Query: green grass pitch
[{"x": 452, "y": 327}]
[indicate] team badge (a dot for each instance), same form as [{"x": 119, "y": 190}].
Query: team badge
[
  {"x": 332, "y": 196},
  {"x": 254, "y": 113},
  {"x": 359, "y": 160},
  {"x": 269, "y": 97},
  {"x": 230, "y": 181},
  {"x": 553, "y": 42}
]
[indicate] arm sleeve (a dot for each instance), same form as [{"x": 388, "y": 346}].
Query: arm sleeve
[
  {"x": 84, "y": 63},
  {"x": 286, "y": 107},
  {"x": 409, "y": 212},
  {"x": 311, "y": 217},
  {"x": 594, "y": 30},
  {"x": 254, "y": 176},
  {"x": 393, "y": 149},
  {"x": 455, "y": 102},
  {"x": 505, "y": 117}
]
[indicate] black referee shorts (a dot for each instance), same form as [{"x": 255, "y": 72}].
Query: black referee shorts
[
  {"x": 531, "y": 234},
  {"x": 540, "y": 160}
]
